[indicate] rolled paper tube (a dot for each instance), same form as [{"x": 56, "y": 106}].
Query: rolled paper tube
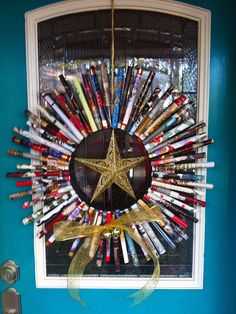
[
  {"x": 199, "y": 125},
  {"x": 180, "y": 231},
  {"x": 122, "y": 242},
  {"x": 187, "y": 183},
  {"x": 183, "y": 135},
  {"x": 184, "y": 167},
  {"x": 42, "y": 141},
  {"x": 63, "y": 189},
  {"x": 25, "y": 193},
  {"x": 48, "y": 160},
  {"x": 178, "y": 188},
  {"x": 172, "y": 160},
  {"x": 27, "y": 183},
  {"x": 106, "y": 90},
  {"x": 132, "y": 99},
  {"x": 41, "y": 180},
  {"x": 173, "y": 201},
  {"x": 74, "y": 246},
  {"x": 163, "y": 105},
  {"x": 168, "y": 213},
  {"x": 156, "y": 242},
  {"x": 149, "y": 235},
  {"x": 47, "y": 228},
  {"x": 146, "y": 108},
  {"x": 76, "y": 116},
  {"x": 108, "y": 241},
  {"x": 175, "y": 106},
  {"x": 62, "y": 128},
  {"x": 188, "y": 148},
  {"x": 153, "y": 113},
  {"x": 180, "y": 176},
  {"x": 176, "y": 209},
  {"x": 76, "y": 212},
  {"x": 84, "y": 103},
  {"x": 180, "y": 115},
  {"x": 146, "y": 239},
  {"x": 22, "y": 174},
  {"x": 118, "y": 92},
  {"x": 100, "y": 253},
  {"x": 90, "y": 214},
  {"x": 71, "y": 99},
  {"x": 124, "y": 94},
  {"x": 77, "y": 241},
  {"x": 174, "y": 146},
  {"x": 132, "y": 250},
  {"x": 70, "y": 113},
  {"x": 100, "y": 244},
  {"x": 31, "y": 218},
  {"x": 56, "y": 203},
  {"x": 34, "y": 201},
  {"x": 140, "y": 101},
  {"x": 64, "y": 118},
  {"x": 95, "y": 217},
  {"x": 56, "y": 190},
  {"x": 172, "y": 233},
  {"x": 92, "y": 105},
  {"x": 116, "y": 253},
  {"x": 169, "y": 134},
  {"x": 51, "y": 240},
  {"x": 99, "y": 218},
  {"x": 164, "y": 235},
  {"x": 50, "y": 137},
  {"x": 69, "y": 92},
  {"x": 61, "y": 216},
  {"x": 179, "y": 196},
  {"x": 35, "y": 181},
  {"x": 134, "y": 228},
  {"x": 16, "y": 153},
  {"x": 104, "y": 218},
  {"x": 47, "y": 126},
  {"x": 99, "y": 98},
  {"x": 28, "y": 174}
]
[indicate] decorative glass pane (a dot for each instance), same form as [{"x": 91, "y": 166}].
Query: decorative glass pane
[{"x": 166, "y": 43}]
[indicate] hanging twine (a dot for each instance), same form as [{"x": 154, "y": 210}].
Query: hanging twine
[{"x": 112, "y": 54}]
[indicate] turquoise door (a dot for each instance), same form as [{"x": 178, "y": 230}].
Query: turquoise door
[{"x": 17, "y": 240}]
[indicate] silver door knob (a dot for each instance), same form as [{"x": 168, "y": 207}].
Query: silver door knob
[{"x": 9, "y": 272}]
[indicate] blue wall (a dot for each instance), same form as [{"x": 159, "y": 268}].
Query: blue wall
[{"x": 219, "y": 288}]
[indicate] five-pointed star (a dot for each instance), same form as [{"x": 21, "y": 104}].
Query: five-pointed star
[{"x": 113, "y": 169}]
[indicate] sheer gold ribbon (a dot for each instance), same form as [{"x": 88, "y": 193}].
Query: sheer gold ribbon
[{"x": 70, "y": 230}]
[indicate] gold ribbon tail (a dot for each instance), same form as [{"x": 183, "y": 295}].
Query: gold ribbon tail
[
  {"x": 142, "y": 294},
  {"x": 77, "y": 267}
]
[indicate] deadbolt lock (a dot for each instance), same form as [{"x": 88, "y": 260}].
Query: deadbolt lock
[{"x": 9, "y": 272}]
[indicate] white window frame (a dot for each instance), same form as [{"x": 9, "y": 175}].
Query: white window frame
[{"x": 203, "y": 17}]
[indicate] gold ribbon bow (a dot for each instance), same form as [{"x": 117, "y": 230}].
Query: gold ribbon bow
[{"x": 70, "y": 230}]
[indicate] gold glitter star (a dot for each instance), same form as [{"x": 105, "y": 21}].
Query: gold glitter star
[{"x": 113, "y": 169}]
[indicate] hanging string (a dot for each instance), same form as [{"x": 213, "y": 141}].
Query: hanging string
[{"x": 112, "y": 54}]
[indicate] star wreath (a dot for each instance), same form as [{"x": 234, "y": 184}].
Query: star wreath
[{"x": 169, "y": 139}]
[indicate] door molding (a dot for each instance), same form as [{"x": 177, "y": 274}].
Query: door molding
[{"x": 203, "y": 17}]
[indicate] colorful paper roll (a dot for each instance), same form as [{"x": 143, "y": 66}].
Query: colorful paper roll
[{"x": 118, "y": 92}]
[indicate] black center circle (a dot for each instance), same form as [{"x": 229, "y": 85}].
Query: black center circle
[{"x": 84, "y": 180}]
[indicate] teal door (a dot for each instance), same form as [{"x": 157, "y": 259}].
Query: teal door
[{"x": 217, "y": 297}]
